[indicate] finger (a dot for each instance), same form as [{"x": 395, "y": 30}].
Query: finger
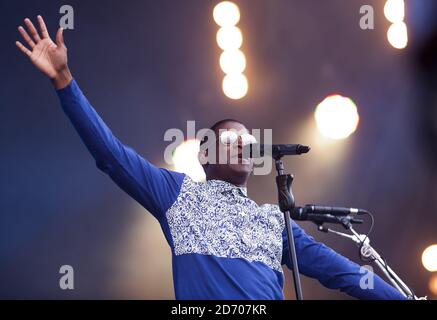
[
  {"x": 23, "y": 49},
  {"x": 32, "y": 30},
  {"x": 26, "y": 37},
  {"x": 42, "y": 26},
  {"x": 60, "y": 37}
]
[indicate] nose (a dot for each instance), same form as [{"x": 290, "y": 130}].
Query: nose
[{"x": 240, "y": 142}]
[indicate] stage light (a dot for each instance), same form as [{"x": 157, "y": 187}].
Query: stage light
[
  {"x": 226, "y": 14},
  {"x": 432, "y": 284},
  {"x": 185, "y": 160},
  {"x": 394, "y": 10},
  {"x": 336, "y": 117},
  {"x": 229, "y": 38},
  {"x": 233, "y": 61},
  {"x": 397, "y": 35},
  {"x": 235, "y": 86},
  {"x": 429, "y": 258}
]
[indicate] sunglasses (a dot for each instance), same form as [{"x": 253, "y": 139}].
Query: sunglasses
[{"x": 230, "y": 137}]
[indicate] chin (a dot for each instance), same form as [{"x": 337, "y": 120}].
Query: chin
[{"x": 241, "y": 168}]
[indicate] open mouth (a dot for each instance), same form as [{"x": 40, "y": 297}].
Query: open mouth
[{"x": 239, "y": 159}]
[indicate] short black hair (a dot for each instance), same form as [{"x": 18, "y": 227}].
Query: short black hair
[{"x": 217, "y": 125}]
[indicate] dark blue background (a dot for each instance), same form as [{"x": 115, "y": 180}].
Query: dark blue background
[{"x": 148, "y": 66}]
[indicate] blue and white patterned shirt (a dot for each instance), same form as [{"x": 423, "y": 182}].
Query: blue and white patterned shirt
[{"x": 224, "y": 245}]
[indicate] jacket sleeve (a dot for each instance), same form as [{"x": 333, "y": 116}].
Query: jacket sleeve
[{"x": 154, "y": 188}]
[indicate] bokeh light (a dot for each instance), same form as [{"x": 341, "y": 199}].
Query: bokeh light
[
  {"x": 185, "y": 160},
  {"x": 397, "y": 35},
  {"x": 233, "y": 61},
  {"x": 229, "y": 38},
  {"x": 394, "y": 10},
  {"x": 226, "y": 14},
  {"x": 336, "y": 117},
  {"x": 432, "y": 284},
  {"x": 429, "y": 258},
  {"x": 235, "y": 86}
]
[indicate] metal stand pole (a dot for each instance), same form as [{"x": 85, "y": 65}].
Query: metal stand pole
[{"x": 287, "y": 204}]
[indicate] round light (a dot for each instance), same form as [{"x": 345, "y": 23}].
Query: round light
[
  {"x": 394, "y": 10},
  {"x": 336, "y": 117},
  {"x": 429, "y": 258},
  {"x": 235, "y": 86},
  {"x": 229, "y": 38},
  {"x": 232, "y": 61},
  {"x": 185, "y": 160},
  {"x": 226, "y": 14},
  {"x": 397, "y": 35}
]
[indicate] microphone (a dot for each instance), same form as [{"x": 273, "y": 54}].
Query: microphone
[
  {"x": 256, "y": 150},
  {"x": 301, "y": 214},
  {"x": 335, "y": 211}
]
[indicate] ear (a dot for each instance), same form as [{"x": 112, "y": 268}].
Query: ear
[{"x": 202, "y": 157}]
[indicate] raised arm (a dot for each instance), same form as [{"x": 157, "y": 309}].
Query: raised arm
[
  {"x": 334, "y": 271},
  {"x": 154, "y": 188}
]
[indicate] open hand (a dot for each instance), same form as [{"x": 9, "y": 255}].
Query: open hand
[{"x": 46, "y": 55}]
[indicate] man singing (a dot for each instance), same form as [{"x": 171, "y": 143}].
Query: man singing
[{"x": 224, "y": 245}]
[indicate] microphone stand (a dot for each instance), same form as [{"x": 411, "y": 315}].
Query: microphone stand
[
  {"x": 368, "y": 252},
  {"x": 287, "y": 204}
]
